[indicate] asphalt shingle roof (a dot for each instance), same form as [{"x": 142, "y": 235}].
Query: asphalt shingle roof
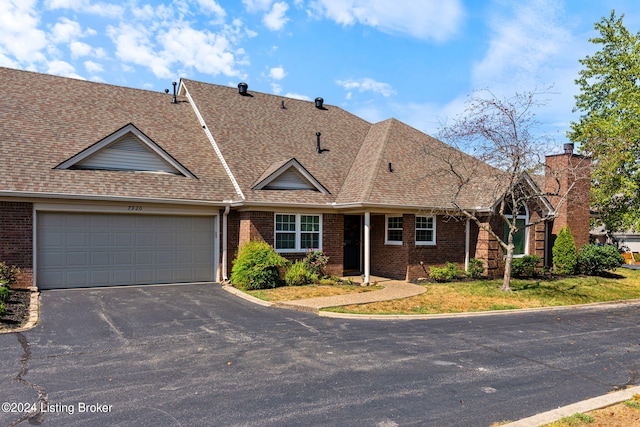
[{"x": 45, "y": 120}]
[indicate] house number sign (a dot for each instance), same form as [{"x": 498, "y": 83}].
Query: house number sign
[{"x": 134, "y": 208}]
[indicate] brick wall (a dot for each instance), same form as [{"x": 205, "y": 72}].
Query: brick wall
[
  {"x": 450, "y": 246},
  {"x": 562, "y": 171},
  {"x": 255, "y": 225},
  {"x": 387, "y": 260},
  {"x": 332, "y": 242},
  {"x": 16, "y": 239}
]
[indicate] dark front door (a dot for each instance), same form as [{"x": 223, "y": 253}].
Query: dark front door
[{"x": 352, "y": 247}]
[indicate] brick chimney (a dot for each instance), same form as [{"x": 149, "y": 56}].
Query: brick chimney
[{"x": 561, "y": 172}]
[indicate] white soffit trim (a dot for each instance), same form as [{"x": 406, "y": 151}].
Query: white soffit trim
[
  {"x": 110, "y": 161},
  {"x": 183, "y": 87},
  {"x": 282, "y": 179}
]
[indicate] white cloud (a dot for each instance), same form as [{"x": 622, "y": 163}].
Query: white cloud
[
  {"x": 253, "y": 6},
  {"x": 522, "y": 44},
  {"x": 297, "y": 96},
  {"x": 79, "y": 49},
  {"x": 423, "y": 19},
  {"x": 62, "y": 68},
  {"x": 367, "y": 85},
  {"x": 20, "y": 38},
  {"x": 93, "y": 67},
  {"x": 212, "y": 6},
  {"x": 276, "y": 19},
  {"x": 65, "y": 31},
  {"x": 207, "y": 52},
  {"x": 276, "y": 88},
  {"x": 86, "y": 6},
  {"x": 277, "y": 73},
  {"x": 134, "y": 46},
  {"x": 532, "y": 48}
]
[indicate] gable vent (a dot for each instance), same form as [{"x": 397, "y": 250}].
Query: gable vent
[
  {"x": 127, "y": 154},
  {"x": 291, "y": 179}
]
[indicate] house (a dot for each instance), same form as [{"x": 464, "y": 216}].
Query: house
[{"x": 106, "y": 185}]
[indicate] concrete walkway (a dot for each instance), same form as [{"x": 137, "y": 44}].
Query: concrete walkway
[{"x": 393, "y": 289}]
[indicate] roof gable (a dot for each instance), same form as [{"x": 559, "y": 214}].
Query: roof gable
[
  {"x": 288, "y": 175},
  {"x": 127, "y": 149}
]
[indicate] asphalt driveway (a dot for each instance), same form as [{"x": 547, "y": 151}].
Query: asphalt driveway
[{"x": 196, "y": 355}]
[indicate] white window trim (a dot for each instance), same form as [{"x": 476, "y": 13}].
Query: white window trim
[
  {"x": 298, "y": 232},
  {"x": 386, "y": 231},
  {"x": 426, "y": 242}
]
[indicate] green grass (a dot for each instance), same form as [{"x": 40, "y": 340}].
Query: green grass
[{"x": 484, "y": 295}]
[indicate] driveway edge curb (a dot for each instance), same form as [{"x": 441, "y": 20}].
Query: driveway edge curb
[
  {"x": 579, "y": 407},
  {"x": 34, "y": 313}
]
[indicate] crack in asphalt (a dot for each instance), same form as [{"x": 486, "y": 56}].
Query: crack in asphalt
[
  {"x": 538, "y": 362},
  {"x": 33, "y": 417}
]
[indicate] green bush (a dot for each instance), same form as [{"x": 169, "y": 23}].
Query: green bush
[
  {"x": 257, "y": 266},
  {"x": 476, "y": 268},
  {"x": 316, "y": 261},
  {"x": 595, "y": 260},
  {"x": 565, "y": 255},
  {"x": 8, "y": 274},
  {"x": 299, "y": 275},
  {"x": 525, "y": 266},
  {"x": 5, "y": 292},
  {"x": 444, "y": 274}
]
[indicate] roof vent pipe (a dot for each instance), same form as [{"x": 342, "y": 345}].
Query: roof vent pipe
[
  {"x": 242, "y": 88},
  {"x": 175, "y": 99},
  {"x": 319, "y": 103},
  {"x": 318, "y": 149},
  {"x": 283, "y": 107},
  {"x": 568, "y": 148}
]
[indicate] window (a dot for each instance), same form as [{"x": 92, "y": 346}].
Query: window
[
  {"x": 295, "y": 232},
  {"x": 519, "y": 238},
  {"x": 425, "y": 230},
  {"x": 393, "y": 232}
]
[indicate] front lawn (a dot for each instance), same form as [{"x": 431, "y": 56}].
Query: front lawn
[
  {"x": 483, "y": 295},
  {"x": 289, "y": 293}
]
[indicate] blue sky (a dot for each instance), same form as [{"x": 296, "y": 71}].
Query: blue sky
[{"x": 415, "y": 60}]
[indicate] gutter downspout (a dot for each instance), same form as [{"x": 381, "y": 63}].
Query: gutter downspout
[
  {"x": 367, "y": 247},
  {"x": 225, "y": 277}
]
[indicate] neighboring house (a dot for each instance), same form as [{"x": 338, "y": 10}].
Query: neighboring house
[{"x": 105, "y": 185}]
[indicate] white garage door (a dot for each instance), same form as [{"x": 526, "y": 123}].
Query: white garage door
[{"x": 87, "y": 249}]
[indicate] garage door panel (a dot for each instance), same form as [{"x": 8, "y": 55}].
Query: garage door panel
[
  {"x": 83, "y": 249},
  {"x": 101, "y": 259},
  {"x": 122, "y": 257},
  {"x": 76, "y": 259},
  {"x": 77, "y": 239}
]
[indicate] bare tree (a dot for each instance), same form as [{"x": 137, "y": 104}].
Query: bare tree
[{"x": 502, "y": 134}]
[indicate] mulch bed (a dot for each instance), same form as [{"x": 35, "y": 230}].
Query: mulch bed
[{"x": 17, "y": 309}]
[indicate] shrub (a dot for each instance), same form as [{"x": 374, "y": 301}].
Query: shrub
[
  {"x": 298, "y": 275},
  {"x": 595, "y": 260},
  {"x": 316, "y": 261},
  {"x": 565, "y": 256},
  {"x": 525, "y": 266},
  {"x": 444, "y": 274},
  {"x": 476, "y": 268},
  {"x": 257, "y": 266},
  {"x": 8, "y": 274},
  {"x": 5, "y": 292}
]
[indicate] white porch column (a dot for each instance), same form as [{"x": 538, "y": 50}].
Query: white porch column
[
  {"x": 467, "y": 245},
  {"x": 367, "y": 247}
]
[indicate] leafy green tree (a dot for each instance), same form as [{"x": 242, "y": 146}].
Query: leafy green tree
[
  {"x": 609, "y": 126},
  {"x": 565, "y": 255}
]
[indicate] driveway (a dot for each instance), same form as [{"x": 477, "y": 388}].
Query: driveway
[{"x": 194, "y": 355}]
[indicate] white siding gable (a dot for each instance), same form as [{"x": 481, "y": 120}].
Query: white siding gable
[
  {"x": 126, "y": 150},
  {"x": 288, "y": 175}
]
